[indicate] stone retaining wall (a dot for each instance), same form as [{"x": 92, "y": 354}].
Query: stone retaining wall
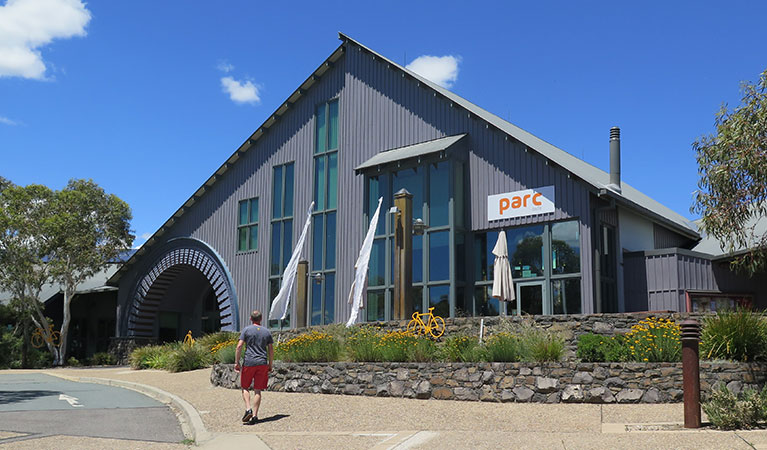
[{"x": 504, "y": 382}]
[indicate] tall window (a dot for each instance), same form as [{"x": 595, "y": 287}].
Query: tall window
[
  {"x": 323, "y": 264},
  {"x": 247, "y": 225},
  {"x": 433, "y": 188},
  {"x": 282, "y": 231},
  {"x": 545, "y": 264}
]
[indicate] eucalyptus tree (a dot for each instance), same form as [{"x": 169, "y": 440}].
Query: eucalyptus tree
[
  {"x": 90, "y": 229},
  {"x": 25, "y": 240},
  {"x": 732, "y": 195}
]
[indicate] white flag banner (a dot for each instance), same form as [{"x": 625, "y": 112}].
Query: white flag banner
[
  {"x": 361, "y": 266},
  {"x": 280, "y": 305}
]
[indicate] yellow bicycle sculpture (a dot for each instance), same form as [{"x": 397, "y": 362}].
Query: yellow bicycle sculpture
[
  {"x": 39, "y": 339},
  {"x": 426, "y": 324},
  {"x": 188, "y": 339}
]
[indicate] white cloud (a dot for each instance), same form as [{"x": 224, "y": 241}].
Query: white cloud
[
  {"x": 143, "y": 238},
  {"x": 240, "y": 92},
  {"x": 28, "y": 25},
  {"x": 442, "y": 70},
  {"x": 224, "y": 66},
  {"x": 7, "y": 121}
]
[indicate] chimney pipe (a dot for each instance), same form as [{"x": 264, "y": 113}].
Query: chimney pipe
[{"x": 615, "y": 159}]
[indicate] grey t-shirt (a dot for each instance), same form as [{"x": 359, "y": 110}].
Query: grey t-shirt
[{"x": 256, "y": 338}]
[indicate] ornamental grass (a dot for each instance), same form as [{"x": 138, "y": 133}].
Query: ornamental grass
[
  {"x": 462, "y": 348},
  {"x": 739, "y": 335},
  {"x": 503, "y": 347},
  {"x": 654, "y": 340},
  {"x": 309, "y": 347}
]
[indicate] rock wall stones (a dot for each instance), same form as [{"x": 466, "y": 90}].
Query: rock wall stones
[{"x": 569, "y": 382}]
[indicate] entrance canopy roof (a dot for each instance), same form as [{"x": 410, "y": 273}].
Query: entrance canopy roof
[{"x": 411, "y": 152}]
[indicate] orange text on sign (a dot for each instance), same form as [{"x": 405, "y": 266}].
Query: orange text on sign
[{"x": 517, "y": 201}]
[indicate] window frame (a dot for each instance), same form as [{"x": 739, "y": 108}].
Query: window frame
[
  {"x": 248, "y": 225},
  {"x": 280, "y": 221}
]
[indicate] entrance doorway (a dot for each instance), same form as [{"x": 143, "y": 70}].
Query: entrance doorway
[{"x": 530, "y": 301}]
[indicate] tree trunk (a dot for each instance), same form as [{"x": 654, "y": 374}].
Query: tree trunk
[{"x": 67, "y": 318}]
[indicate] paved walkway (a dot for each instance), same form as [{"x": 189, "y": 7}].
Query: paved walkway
[{"x": 315, "y": 421}]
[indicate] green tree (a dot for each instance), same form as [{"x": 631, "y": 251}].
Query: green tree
[
  {"x": 732, "y": 195},
  {"x": 25, "y": 218},
  {"x": 90, "y": 228}
]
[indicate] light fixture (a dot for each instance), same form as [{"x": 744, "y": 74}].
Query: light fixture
[
  {"x": 418, "y": 227},
  {"x": 318, "y": 277}
]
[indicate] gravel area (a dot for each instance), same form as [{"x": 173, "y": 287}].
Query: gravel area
[{"x": 316, "y": 421}]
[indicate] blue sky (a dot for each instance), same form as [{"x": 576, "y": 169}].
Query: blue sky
[{"x": 148, "y": 98}]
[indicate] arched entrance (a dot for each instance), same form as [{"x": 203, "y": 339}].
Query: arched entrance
[{"x": 187, "y": 287}]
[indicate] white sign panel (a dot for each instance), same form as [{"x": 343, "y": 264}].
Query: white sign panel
[{"x": 521, "y": 203}]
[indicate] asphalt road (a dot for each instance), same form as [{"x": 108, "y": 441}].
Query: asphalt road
[{"x": 34, "y": 406}]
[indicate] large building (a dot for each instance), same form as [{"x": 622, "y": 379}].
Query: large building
[{"x": 362, "y": 127}]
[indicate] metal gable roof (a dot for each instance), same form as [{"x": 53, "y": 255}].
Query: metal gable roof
[
  {"x": 411, "y": 151},
  {"x": 598, "y": 178}
]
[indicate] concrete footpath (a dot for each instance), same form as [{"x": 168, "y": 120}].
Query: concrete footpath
[{"x": 210, "y": 416}]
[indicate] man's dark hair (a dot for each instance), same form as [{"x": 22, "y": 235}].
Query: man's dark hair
[{"x": 255, "y": 316}]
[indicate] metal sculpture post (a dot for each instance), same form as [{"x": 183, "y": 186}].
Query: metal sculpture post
[
  {"x": 302, "y": 281},
  {"x": 691, "y": 373}
]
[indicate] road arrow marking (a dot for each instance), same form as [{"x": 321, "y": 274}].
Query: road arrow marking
[{"x": 71, "y": 400}]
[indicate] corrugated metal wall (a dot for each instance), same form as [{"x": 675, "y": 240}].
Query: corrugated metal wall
[
  {"x": 379, "y": 109},
  {"x": 665, "y": 238}
]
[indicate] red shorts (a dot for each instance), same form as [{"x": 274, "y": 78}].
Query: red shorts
[{"x": 258, "y": 376}]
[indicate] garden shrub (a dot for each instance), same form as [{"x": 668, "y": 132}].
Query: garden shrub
[
  {"x": 103, "y": 359},
  {"x": 739, "y": 335},
  {"x": 188, "y": 357},
  {"x": 225, "y": 354},
  {"x": 310, "y": 347},
  {"x": 654, "y": 340},
  {"x": 502, "y": 347},
  {"x": 728, "y": 411},
  {"x": 423, "y": 350},
  {"x": 538, "y": 345},
  {"x": 363, "y": 344},
  {"x": 148, "y": 357},
  {"x": 402, "y": 346},
  {"x": 598, "y": 348},
  {"x": 73, "y": 362},
  {"x": 209, "y": 341},
  {"x": 462, "y": 348}
]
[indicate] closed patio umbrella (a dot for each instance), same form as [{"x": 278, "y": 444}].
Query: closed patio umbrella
[{"x": 503, "y": 286}]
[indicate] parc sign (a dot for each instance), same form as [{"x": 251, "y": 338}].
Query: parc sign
[{"x": 520, "y": 203}]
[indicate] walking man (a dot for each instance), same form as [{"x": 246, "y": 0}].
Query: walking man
[{"x": 259, "y": 357}]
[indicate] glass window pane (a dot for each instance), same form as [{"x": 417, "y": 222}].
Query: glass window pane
[
  {"x": 566, "y": 295},
  {"x": 460, "y": 257},
  {"x": 332, "y": 180},
  {"x": 485, "y": 303},
  {"x": 531, "y": 299},
  {"x": 287, "y": 245},
  {"x": 242, "y": 239},
  {"x": 319, "y": 183},
  {"x": 243, "y": 212},
  {"x": 316, "y": 303},
  {"x": 379, "y": 187},
  {"x": 377, "y": 265},
  {"x": 333, "y": 126},
  {"x": 254, "y": 210},
  {"x": 458, "y": 195},
  {"x": 277, "y": 193},
  {"x": 412, "y": 180},
  {"x": 439, "y": 300},
  {"x": 274, "y": 289},
  {"x": 321, "y": 142},
  {"x": 417, "y": 259},
  {"x": 317, "y": 236},
  {"x": 274, "y": 268},
  {"x": 439, "y": 194},
  {"x": 565, "y": 247},
  {"x": 463, "y": 306},
  {"x": 330, "y": 241},
  {"x": 439, "y": 256},
  {"x": 376, "y": 306},
  {"x": 330, "y": 304},
  {"x": 288, "y": 210},
  {"x": 525, "y": 246},
  {"x": 253, "y": 237}
]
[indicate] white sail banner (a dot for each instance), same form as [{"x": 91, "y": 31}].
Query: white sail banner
[
  {"x": 280, "y": 305},
  {"x": 361, "y": 266}
]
